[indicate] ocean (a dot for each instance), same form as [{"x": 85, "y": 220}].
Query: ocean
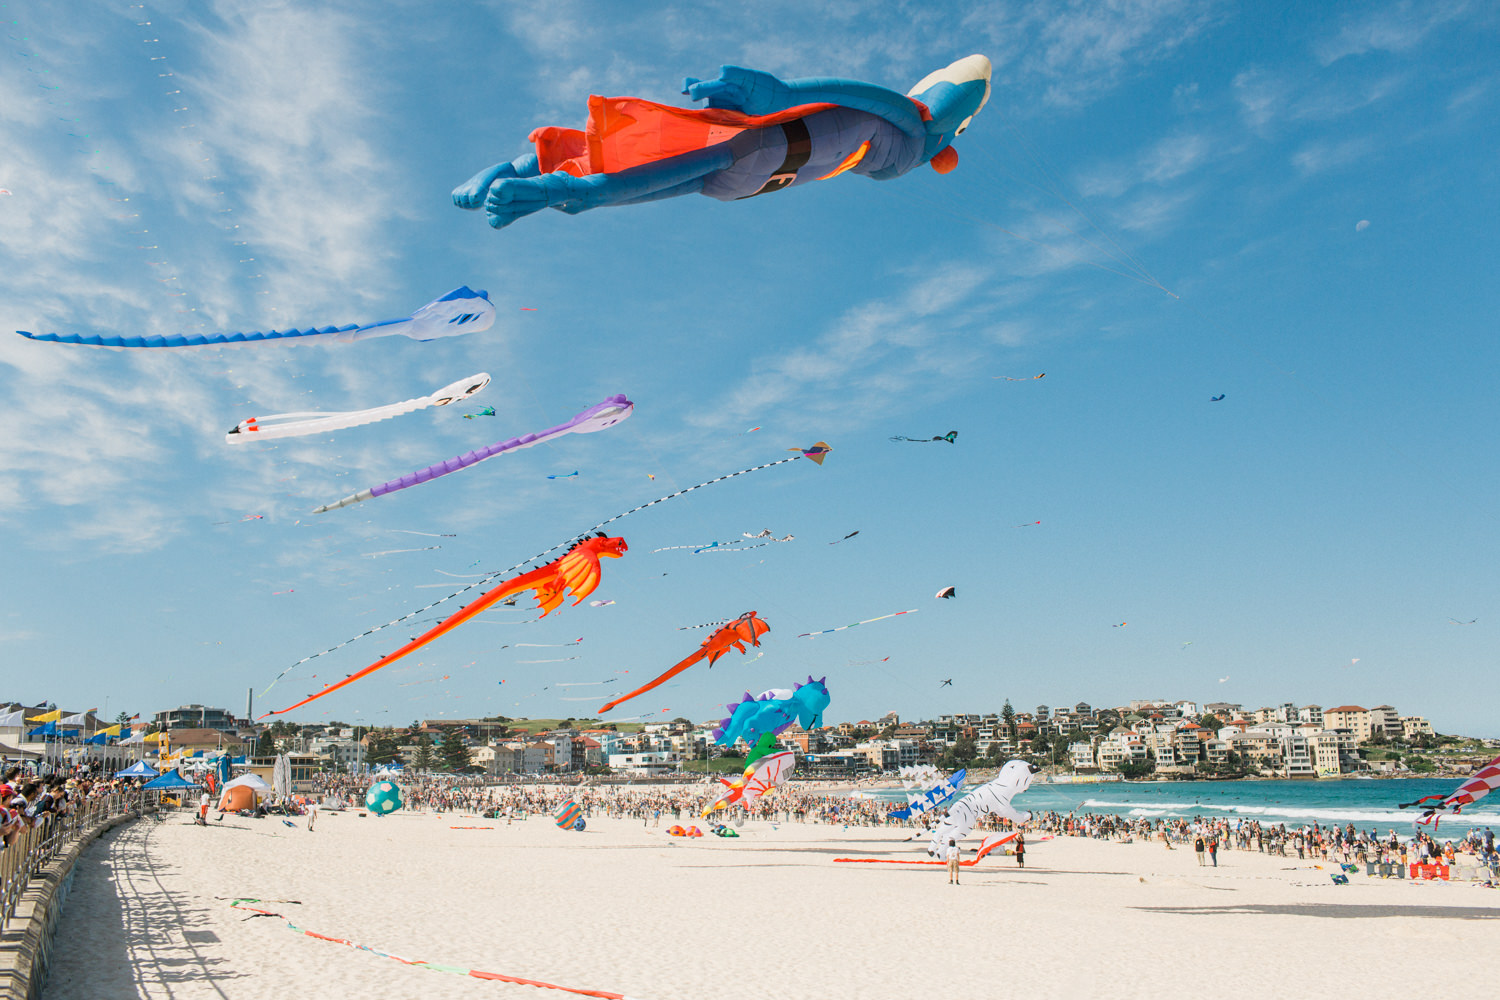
[{"x": 1363, "y": 802}]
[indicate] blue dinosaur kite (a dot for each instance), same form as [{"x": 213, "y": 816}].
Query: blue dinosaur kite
[
  {"x": 758, "y": 134},
  {"x": 772, "y": 711}
]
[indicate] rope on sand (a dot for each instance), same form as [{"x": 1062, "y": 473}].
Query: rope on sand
[{"x": 238, "y": 902}]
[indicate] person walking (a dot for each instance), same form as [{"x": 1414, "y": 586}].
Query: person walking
[
  {"x": 1020, "y": 850},
  {"x": 1198, "y": 848},
  {"x": 1213, "y": 849},
  {"x": 952, "y": 855}
]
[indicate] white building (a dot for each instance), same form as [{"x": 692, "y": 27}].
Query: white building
[{"x": 646, "y": 762}]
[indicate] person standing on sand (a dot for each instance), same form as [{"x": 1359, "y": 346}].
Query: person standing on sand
[
  {"x": 1213, "y": 849},
  {"x": 1020, "y": 850},
  {"x": 312, "y": 814},
  {"x": 952, "y": 854},
  {"x": 203, "y": 809},
  {"x": 1198, "y": 848}
]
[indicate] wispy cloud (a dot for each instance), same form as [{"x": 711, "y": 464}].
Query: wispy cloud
[
  {"x": 1316, "y": 157},
  {"x": 1396, "y": 28}
]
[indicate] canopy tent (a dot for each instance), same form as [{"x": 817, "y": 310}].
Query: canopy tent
[
  {"x": 168, "y": 781},
  {"x": 140, "y": 769},
  {"x": 251, "y": 781}
]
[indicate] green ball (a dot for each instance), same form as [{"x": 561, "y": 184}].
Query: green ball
[{"x": 383, "y": 797}]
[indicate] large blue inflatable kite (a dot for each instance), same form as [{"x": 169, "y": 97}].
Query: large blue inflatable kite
[{"x": 757, "y": 135}]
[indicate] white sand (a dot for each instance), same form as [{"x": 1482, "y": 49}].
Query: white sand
[{"x": 625, "y": 909}]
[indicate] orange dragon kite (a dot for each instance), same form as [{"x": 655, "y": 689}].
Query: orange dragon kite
[
  {"x": 578, "y": 571},
  {"x": 748, "y": 627}
]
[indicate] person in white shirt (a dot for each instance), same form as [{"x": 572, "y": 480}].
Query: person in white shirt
[{"x": 952, "y": 854}]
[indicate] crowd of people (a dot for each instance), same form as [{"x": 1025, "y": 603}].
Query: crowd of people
[{"x": 31, "y": 801}]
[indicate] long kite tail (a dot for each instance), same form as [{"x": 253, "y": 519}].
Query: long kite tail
[
  {"x": 509, "y": 587},
  {"x": 672, "y": 672},
  {"x": 817, "y": 457}
]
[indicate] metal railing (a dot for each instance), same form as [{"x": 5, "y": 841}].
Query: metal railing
[{"x": 31, "y": 849}]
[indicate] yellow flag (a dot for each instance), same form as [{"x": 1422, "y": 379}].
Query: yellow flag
[
  {"x": 111, "y": 731},
  {"x": 51, "y": 716}
]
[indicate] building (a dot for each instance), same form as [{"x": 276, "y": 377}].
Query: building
[
  {"x": 1385, "y": 720},
  {"x": 212, "y": 740},
  {"x": 1414, "y": 725},
  {"x": 345, "y": 753},
  {"x": 196, "y": 717},
  {"x": 1311, "y": 714},
  {"x": 649, "y": 762},
  {"x": 1348, "y": 718}
]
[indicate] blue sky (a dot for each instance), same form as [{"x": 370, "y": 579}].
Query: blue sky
[{"x": 1316, "y": 187}]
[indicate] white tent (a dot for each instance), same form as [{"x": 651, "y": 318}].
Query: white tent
[{"x": 253, "y": 781}]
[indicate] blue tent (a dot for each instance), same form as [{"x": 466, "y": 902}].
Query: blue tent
[
  {"x": 167, "y": 781},
  {"x": 140, "y": 769}
]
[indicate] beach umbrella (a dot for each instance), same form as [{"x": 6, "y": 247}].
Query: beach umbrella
[{"x": 140, "y": 769}]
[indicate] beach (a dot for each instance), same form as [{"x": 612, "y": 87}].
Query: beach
[{"x": 622, "y": 908}]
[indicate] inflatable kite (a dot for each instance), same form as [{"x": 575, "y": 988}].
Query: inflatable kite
[
  {"x": 1480, "y": 784},
  {"x": 596, "y": 418},
  {"x": 488, "y": 411},
  {"x": 569, "y": 815},
  {"x": 462, "y": 310},
  {"x": 747, "y": 628},
  {"x": 383, "y": 797},
  {"x": 893, "y": 614},
  {"x": 927, "y": 790},
  {"x": 761, "y": 775},
  {"x": 577, "y": 571},
  {"x": 285, "y": 425},
  {"x": 757, "y": 135},
  {"x": 772, "y": 711},
  {"x": 991, "y": 797}
]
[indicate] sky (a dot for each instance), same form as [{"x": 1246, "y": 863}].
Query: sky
[{"x": 1164, "y": 201}]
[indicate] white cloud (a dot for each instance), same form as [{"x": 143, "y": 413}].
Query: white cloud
[
  {"x": 1321, "y": 155},
  {"x": 1396, "y": 28}
]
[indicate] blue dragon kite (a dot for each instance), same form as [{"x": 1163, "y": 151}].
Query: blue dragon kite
[{"x": 758, "y": 134}]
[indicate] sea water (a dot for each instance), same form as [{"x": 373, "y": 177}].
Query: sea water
[{"x": 1364, "y": 802}]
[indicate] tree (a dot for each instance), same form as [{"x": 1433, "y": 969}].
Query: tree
[
  {"x": 1136, "y": 768},
  {"x": 382, "y": 749},
  {"x": 424, "y": 759},
  {"x": 1211, "y": 722},
  {"x": 121, "y": 719},
  {"x": 996, "y": 754},
  {"x": 1421, "y": 765},
  {"x": 962, "y": 753},
  {"x": 266, "y": 745},
  {"x": 1040, "y": 744},
  {"x": 1008, "y": 715},
  {"x": 360, "y": 732},
  {"x": 454, "y": 752}
]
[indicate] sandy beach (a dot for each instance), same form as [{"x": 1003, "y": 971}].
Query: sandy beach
[{"x": 626, "y": 909}]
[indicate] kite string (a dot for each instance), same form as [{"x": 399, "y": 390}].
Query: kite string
[{"x": 511, "y": 569}]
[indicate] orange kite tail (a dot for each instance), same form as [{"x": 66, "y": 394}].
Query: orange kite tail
[{"x": 748, "y": 627}]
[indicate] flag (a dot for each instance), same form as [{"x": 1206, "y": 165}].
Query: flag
[
  {"x": 51, "y": 716},
  {"x": 567, "y": 814},
  {"x": 135, "y": 716}
]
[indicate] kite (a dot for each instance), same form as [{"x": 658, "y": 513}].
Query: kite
[
  {"x": 577, "y": 571},
  {"x": 1121, "y": 625},
  {"x": 568, "y": 476},
  {"x": 747, "y": 628},
  {"x": 909, "y": 611},
  {"x": 1028, "y": 524},
  {"x": 845, "y": 538},
  {"x": 862, "y": 663},
  {"x": 772, "y": 711},
  {"x": 991, "y": 797},
  {"x": 391, "y": 552},
  {"x": 486, "y": 577},
  {"x": 1215, "y": 399},
  {"x": 600, "y": 604},
  {"x": 762, "y": 774},
  {"x": 937, "y": 793},
  {"x": 946, "y": 593},
  {"x": 757, "y": 135},
  {"x": 951, "y": 437},
  {"x": 247, "y": 517},
  {"x": 1455, "y": 621},
  {"x": 816, "y": 452},
  {"x": 1029, "y": 378},
  {"x": 488, "y": 411},
  {"x": 947, "y": 683},
  {"x": 1480, "y": 784},
  {"x": 739, "y": 546},
  {"x": 596, "y": 418},
  {"x": 284, "y": 425},
  {"x": 462, "y": 310}
]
